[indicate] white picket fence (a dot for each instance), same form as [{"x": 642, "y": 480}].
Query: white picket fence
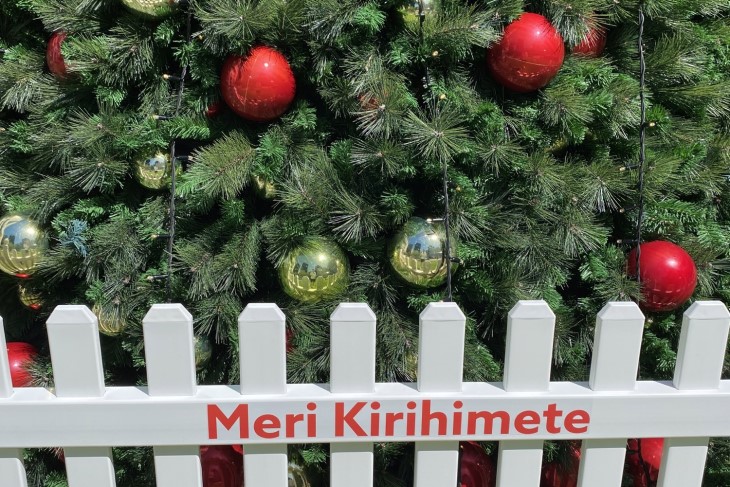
[{"x": 175, "y": 415}]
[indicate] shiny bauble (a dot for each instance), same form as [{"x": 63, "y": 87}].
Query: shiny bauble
[
  {"x": 203, "y": 351},
  {"x": 150, "y": 9},
  {"x": 110, "y": 322},
  {"x": 28, "y": 298},
  {"x": 638, "y": 466},
  {"x": 297, "y": 476},
  {"x": 54, "y": 58},
  {"x": 213, "y": 109},
  {"x": 315, "y": 271},
  {"x": 562, "y": 473},
  {"x": 418, "y": 253},
  {"x": 22, "y": 245},
  {"x": 668, "y": 275},
  {"x": 476, "y": 468},
  {"x": 592, "y": 44},
  {"x": 222, "y": 466},
  {"x": 20, "y": 356},
  {"x": 258, "y": 87},
  {"x": 528, "y": 56},
  {"x": 154, "y": 172},
  {"x": 264, "y": 188}
]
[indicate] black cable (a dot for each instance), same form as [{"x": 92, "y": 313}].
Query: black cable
[
  {"x": 642, "y": 144},
  {"x": 173, "y": 170}
]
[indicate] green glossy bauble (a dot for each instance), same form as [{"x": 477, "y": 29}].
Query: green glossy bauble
[
  {"x": 203, "y": 351},
  {"x": 154, "y": 172},
  {"x": 22, "y": 245},
  {"x": 110, "y": 322},
  {"x": 418, "y": 253},
  {"x": 151, "y": 9},
  {"x": 314, "y": 271},
  {"x": 298, "y": 476},
  {"x": 30, "y": 299}
]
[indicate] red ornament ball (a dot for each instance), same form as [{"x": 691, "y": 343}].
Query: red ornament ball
[
  {"x": 668, "y": 275},
  {"x": 258, "y": 87},
  {"x": 529, "y": 54},
  {"x": 562, "y": 474},
  {"x": 20, "y": 356},
  {"x": 592, "y": 44},
  {"x": 54, "y": 58},
  {"x": 651, "y": 455},
  {"x": 213, "y": 109},
  {"x": 222, "y": 466},
  {"x": 476, "y": 468}
]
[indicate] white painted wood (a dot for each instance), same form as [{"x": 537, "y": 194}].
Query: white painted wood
[
  {"x": 614, "y": 366},
  {"x": 170, "y": 360},
  {"x": 528, "y": 357},
  {"x": 6, "y": 385},
  {"x": 352, "y": 370},
  {"x": 441, "y": 336},
  {"x": 73, "y": 337},
  {"x": 12, "y": 471},
  {"x": 702, "y": 344},
  {"x": 262, "y": 343}
]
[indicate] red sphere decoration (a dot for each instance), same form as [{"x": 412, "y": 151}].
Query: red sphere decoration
[
  {"x": 592, "y": 44},
  {"x": 20, "y": 356},
  {"x": 562, "y": 474},
  {"x": 529, "y": 54},
  {"x": 54, "y": 58},
  {"x": 651, "y": 454},
  {"x": 668, "y": 275},
  {"x": 213, "y": 109},
  {"x": 258, "y": 87},
  {"x": 476, "y": 469},
  {"x": 222, "y": 466}
]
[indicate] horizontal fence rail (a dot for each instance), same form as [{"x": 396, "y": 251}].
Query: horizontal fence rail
[{"x": 175, "y": 415}]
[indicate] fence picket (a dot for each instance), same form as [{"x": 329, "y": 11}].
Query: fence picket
[
  {"x": 12, "y": 471},
  {"x": 262, "y": 338},
  {"x": 700, "y": 358},
  {"x": 440, "y": 369},
  {"x": 614, "y": 365},
  {"x": 73, "y": 337},
  {"x": 530, "y": 329},
  {"x": 352, "y": 369},
  {"x": 170, "y": 359}
]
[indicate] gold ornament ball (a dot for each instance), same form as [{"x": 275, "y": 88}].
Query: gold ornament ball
[
  {"x": 29, "y": 299},
  {"x": 418, "y": 253},
  {"x": 264, "y": 188},
  {"x": 203, "y": 351},
  {"x": 154, "y": 172},
  {"x": 22, "y": 245},
  {"x": 314, "y": 271},
  {"x": 110, "y": 323},
  {"x": 151, "y": 9},
  {"x": 298, "y": 476}
]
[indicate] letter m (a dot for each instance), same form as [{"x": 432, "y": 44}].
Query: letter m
[{"x": 215, "y": 416}]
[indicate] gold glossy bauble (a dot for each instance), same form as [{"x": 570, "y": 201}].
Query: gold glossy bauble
[
  {"x": 110, "y": 322},
  {"x": 418, "y": 253},
  {"x": 154, "y": 172},
  {"x": 298, "y": 476},
  {"x": 30, "y": 299},
  {"x": 151, "y": 9},
  {"x": 314, "y": 271},
  {"x": 264, "y": 188},
  {"x": 22, "y": 245},
  {"x": 203, "y": 351}
]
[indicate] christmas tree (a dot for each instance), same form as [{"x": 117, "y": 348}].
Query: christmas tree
[{"x": 304, "y": 152}]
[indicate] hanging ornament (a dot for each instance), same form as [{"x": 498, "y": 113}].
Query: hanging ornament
[
  {"x": 29, "y": 299},
  {"x": 110, "y": 323},
  {"x": 565, "y": 473},
  {"x": 151, "y": 9},
  {"x": 592, "y": 44},
  {"x": 20, "y": 356},
  {"x": 476, "y": 468},
  {"x": 154, "y": 172},
  {"x": 213, "y": 109},
  {"x": 298, "y": 476},
  {"x": 203, "y": 351},
  {"x": 54, "y": 58},
  {"x": 238, "y": 449},
  {"x": 222, "y": 467},
  {"x": 651, "y": 455},
  {"x": 258, "y": 87},
  {"x": 22, "y": 245},
  {"x": 264, "y": 188},
  {"x": 314, "y": 271},
  {"x": 668, "y": 275},
  {"x": 529, "y": 54},
  {"x": 417, "y": 253}
]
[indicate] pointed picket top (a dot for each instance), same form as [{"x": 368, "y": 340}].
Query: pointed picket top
[
  {"x": 529, "y": 350},
  {"x": 71, "y": 314},
  {"x": 621, "y": 310},
  {"x": 707, "y": 310},
  {"x": 6, "y": 384},
  {"x": 261, "y": 312},
  {"x": 262, "y": 346},
  {"x": 167, "y": 313},
  {"x": 616, "y": 347},
  {"x": 442, "y": 311},
  {"x": 528, "y": 309},
  {"x": 346, "y": 312}
]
